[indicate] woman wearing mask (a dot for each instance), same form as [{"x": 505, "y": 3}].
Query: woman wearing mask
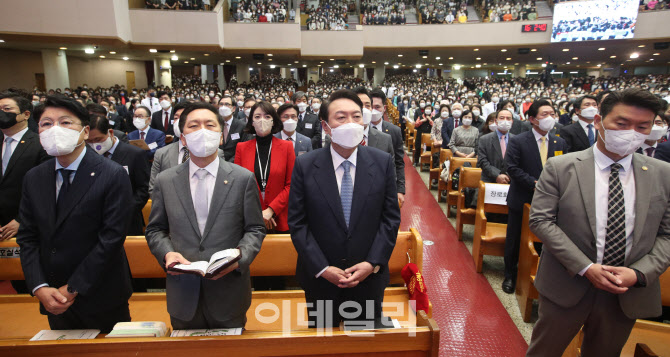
[
  {"x": 411, "y": 111},
  {"x": 490, "y": 125},
  {"x": 436, "y": 131},
  {"x": 423, "y": 124},
  {"x": 477, "y": 120},
  {"x": 465, "y": 137},
  {"x": 271, "y": 160}
]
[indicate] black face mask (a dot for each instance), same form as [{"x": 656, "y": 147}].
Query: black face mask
[{"x": 7, "y": 120}]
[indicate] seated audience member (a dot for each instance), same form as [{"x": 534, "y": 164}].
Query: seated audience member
[
  {"x": 155, "y": 139},
  {"x": 74, "y": 214},
  {"x": 162, "y": 120},
  {"x": 288, "y": 114},
  {"x": 581, "y": 135},
  {"x": 655, "y": 137},
  {"x": 271, "y": 160},
  {"x": 196, "y": 219},
  {"x": 97, "y": 109},
  {"x": 492, "y": 149},
  {"x": 115, "y": 121},
  {"x": 463, "y": 141},
  {"x": 102, "y": 140},
  {"x": 490, "y": 125}
]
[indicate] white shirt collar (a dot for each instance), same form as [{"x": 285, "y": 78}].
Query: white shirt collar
[
  {"x": 285, "y": 137},
  {"x": 116, "y": 143},
  {"x": 17, "y": 136},
  {"x": 338, "y": 160},
  {"x": 75, "y": 164},
  {"x": 229, "y": 121},
  {"x": 212, "y": 168},
  {"x": 146, "y": 131},
  {"x": 645, "y": 146},
  {"x": 603, "y": 162},
  {"x": 366, "y": 131},
  {"x": 584, "y": 124},
  {"x": 538, "y": 135}
]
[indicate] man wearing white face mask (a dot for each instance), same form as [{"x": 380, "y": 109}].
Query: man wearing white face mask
[
  {"x": 581, "y": 135},
  {"x": 163, "y": 120},
  {"x": 599, "y": 268},
  {"x": 155, "y": 139},
  {"x": 659, "y": 129},
  {"x": 288, "y": 114},
  {"x": 191, "y": 219},
  {"x": 492, "y": 106},
  {"x": 526, "y": 155},
  {"x": 74, "y": 213},
  {"x": 371, "y": 137},
  {"x": 343, "y": 251},
  {"x": 307, "y": 123},
  {"x": 233, "y": 128}
]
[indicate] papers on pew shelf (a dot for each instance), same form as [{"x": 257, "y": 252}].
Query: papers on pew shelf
[
  {"x": 383, "y": 324},
  {"x": 139, "y": 329},
  {"x": 221, "y": 261},
  {"x": 210, "y": 332},
  {"x": 53, "y": 335}
]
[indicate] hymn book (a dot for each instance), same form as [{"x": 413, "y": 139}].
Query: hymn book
[{"x": 221, "y": 262}]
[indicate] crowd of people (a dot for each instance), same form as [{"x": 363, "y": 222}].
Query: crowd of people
[
  {"x": 507, "y": 10},
  {"x": 654, "y": 5},
  {"x": 249, "y": 11},
  {"x": 328, "y": 15},
  {"x": 435, "y": 12},
  {"x": 202, "y": 5},
  {"x": 379, "y": 12}
]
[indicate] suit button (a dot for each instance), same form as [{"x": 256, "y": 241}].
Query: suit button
[
  {"x": 202, "y": 249},
  {"x": 349, "y": 237},
  {"x": 53, "y": 251}
]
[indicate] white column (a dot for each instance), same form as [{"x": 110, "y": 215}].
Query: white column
[
  {"x": 313, "y": 74},
  {"x": 380, "y": 72},
  {"x": 221, "y": 79},
  {"x": 456, "y": 73},
  {"x": 163, "y": 72},
  {"x": 520, "y": 71},
  {"x": 242, "y": 73},
  {"x": 285, "y": 72},
  {"x": 56, "y": 74}
]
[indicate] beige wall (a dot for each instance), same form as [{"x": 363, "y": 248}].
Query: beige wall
[
  {"x": 18, "y": 68},
  {"x": 174, "y": 27},
  {"x": 334, "y": 43},
  {"x": 262, "y": 36}
]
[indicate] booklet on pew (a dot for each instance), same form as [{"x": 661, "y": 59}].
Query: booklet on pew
[
  {"x": 221, "y": 261},
  {"x": 53, "y": 335},
  {"x": 209, "y": 332},
  {"x": 139, "y": 329}
]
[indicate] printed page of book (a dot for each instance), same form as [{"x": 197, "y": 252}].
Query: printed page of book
[{"x": 53, "y": 335}]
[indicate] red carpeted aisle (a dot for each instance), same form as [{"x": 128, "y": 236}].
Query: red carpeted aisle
[{"x": 472, "y": 320}]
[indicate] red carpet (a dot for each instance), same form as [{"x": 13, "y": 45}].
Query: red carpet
[{"x": 472, "y": 320}]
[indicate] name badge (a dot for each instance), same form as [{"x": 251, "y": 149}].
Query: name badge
[
  {"x": 152, "y": 146},
  {"x": 496, "y": 194},
  {"x": 301, "y": 152},
  {"x": 235, "y": 136},
  {"x": 308, "y": 125},
  {"x": 11, "y": 252},
  {"x": 558, "y": 153},
  {"x": 126, "y": 167},
  {"x": 112, "y": 122}
]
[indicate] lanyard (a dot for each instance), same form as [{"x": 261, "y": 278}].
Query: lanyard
[{"x": 264, "y": 173}]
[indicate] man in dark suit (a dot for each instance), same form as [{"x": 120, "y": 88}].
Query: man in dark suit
[
  {"x": 658, "y": 130},
  {"x": 378, "y": 99},
  {"x": 526, "y": 156},
  {"x": 581, "y": 135},
  {"x": 163, "y": 120},
  {"x": 307, "y": 123},
  {"x": 116, "y": 121},
  {"x": 288, "y": 114},
  {"x": 343, "y": 251},
  {"x": 155, "y": 139},
  {"x": 233, "y": 130},
  {"x": 74, "y": 214},
  {"x": 101, "y": 139},
  {"x": 491, "y": 158}
]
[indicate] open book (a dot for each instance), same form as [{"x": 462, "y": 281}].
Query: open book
[
  {"x": 221, "y": 261},
  {"x": 139, "y": 329}
]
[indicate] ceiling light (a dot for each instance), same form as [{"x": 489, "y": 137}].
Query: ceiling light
[
  {"x": 544, "y": 65},
  {"x": 206, "y": 54},
  {"x": 425, "y": 57},
  {"x": 566, "y": 49},
  {"x": 227, "y": 61},
  {"x": 361, "y": 65},
  {"x": 296, "y": 62},
  {"x": 478, "y": 66},
  {"x": 612, "y": 56},
  {"x": 125, "y": 58},
  {"x": 657, "y": 54},
  {"x": 601, "y": 49},
  {"x": 457, "y": 67},
  {"x": 2, "y": 41},
  {"x": 567, "y": 62},
  {"x": 175, "y": 58},
  {"x": 372, "y": 62},
  {"x": 258, "y": 63},
  {"x": 153, "y": 50},
  {"x": 90, "y": 51},
  {"x": 332, "y": 59},
  {"x": 503, "y": 50},
  {"x": 441, "y": 64},
  {"x": 575, "y": 58},
  {"x": 478, "y": 58},
  {"x": 192, "y": 59},
  {"x": 399, "y": 55},
  {"x": 185, "y": 61},
  {"x": 395, "y": 66},
  {"x": 599, "y": 64},
  {"x": 272, "y": 66},
  {"x": 386, "y": 63},
  {"x": 640, "y": 46},
  {"x": 533, "y": 50},
  {"x": 437, "y": 58},
  {"x": 269, "y": 54},
  {"x": 418, "y": 66},
  {"x": 63, "y": 48},
  {"x": 112, "y": 52},
  {"x": 539, "y": 58},
  {"x": 101, "y": 56},
  {"x": 238, "y": 57},
  {"x": 509, "y": 58},
  {"x": 172, "y": 51},
  {"x": 304, "y": 65},
  {"x": 451, "y": 58},
  {"x": 634, "y": 55}
]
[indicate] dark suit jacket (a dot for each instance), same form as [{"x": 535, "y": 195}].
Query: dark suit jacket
[
  {"x": 489, "y": 157},
  {"x": 575, "y": 137},
  {"x": 663, "y": 151},
  {"x": 27, "y": 154},
  {"x": 309, "y": 127},
  {"x": 158, "y": 122},
  {"x": 318, "y": 229},
  {"x": 236, "y": 130},
  {"x": 82, "y": 246},
  {"x": 117, "y": 122},
  {"x": 524, "y": 165},
  {"x": 446, "y": 131},
  {"x": 398, "y": 157},
  {"x": 121, "y": 136},
  {"x": 134, "y": 160},
  {"x": 153, "y": 136}
]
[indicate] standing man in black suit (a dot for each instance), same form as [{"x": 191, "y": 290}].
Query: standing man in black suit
[
  {"x": 526, "y": 155},
  {"x": 344, "y": 218},
  {"x": 378, "y": 110},
  {"x": 163, "y": 119},
  {"x": 233, "y": 129},
  {"x": 581, "y": 134},
  {"x": 133, "y": 159},
  {"x": 307, "y": 123},
  {"x": 115, "y": 120},
  {"x": 74, "y": 214},
  {"x": 97, "y": 109}
]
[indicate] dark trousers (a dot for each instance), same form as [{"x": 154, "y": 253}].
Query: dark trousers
[
  {"x": 203, "y": 319},
  {"x": 418, "y": 146},
  {"x": 512, "y": 242},
  {"x": 355, "y": 313},
  {"x": 74, "y": 319}
]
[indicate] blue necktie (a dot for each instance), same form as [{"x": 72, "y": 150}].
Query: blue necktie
[
  {"x": 592, "y": 136},
  {"x": 347, "y": 191}
]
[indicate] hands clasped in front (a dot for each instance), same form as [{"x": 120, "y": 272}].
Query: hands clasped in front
[
  {"x": 615, "y": 280},
  {"x": 55, "y": 301},
  {"x": 350, "y": 277}
]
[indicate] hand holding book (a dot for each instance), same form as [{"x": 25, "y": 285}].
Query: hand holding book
[{"x": 220, "y": 264}]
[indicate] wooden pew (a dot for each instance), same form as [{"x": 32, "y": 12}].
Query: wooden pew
[
  {"x": 426, "y": 151},
  {"x": 653, "y": 335},
  {"x": 528, "y": 262},
  {"x": 411, "y": 136},
  {"x": 489, "y": 238},
  {"x": 452, "y": 195},
  {"x": 470, "y": 178},
  {"x": 445, "y": 154}
]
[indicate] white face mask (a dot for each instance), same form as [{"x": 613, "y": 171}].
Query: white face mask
[
  {"x": 467, "y": 121},
  {"x": 476, "y": 113},
  {"x": 622, "y": 142},
  {"x": 575, "y": 118},
  {"x": 102, "y": 147},
  {"x": 657, "y": 132},
  {"x": 302, "y": 107},
  {"x": 367, "y": 116},
  {"x": 165, "y": 104},
  {"x": 225, "y": 111},
  {"x": 263, "y": 127},
  {"x": 422, "y": 105},
  {"x": 589, "y": 113},
  {"x": 139, "y": 123},
  {"x": 547, "y": 123},
  {"x": 316, "y": 107},
  {"x": 504, "y": 125},
  {"x": 413, "y": 106},
  {"x": 493, "y": 126},
  {"x": 376, "y": 115},
  {"x": 240, "y": 103},
  {"x": 347, "y": 135},
  {"x": 247, "y": 112},
  {"x": 428, "y": 111},
  {"x": 456, "y": 113},
  {"x": 58, "y": 141},
  {"x": 202, "y": 143},
  {"x": 404, "y": 102},
  {"x": 175, "y": 127},
  {"x": 444, "y": 115},
  {"x": 495, "y": 99},
  {"x": 290, "y": 125}
]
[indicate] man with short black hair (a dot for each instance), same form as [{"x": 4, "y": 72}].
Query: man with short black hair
[
  {"x": 581, "y": 135},
  {"x": 307, "y": 123},
  {"x": 162, "y": 120}
]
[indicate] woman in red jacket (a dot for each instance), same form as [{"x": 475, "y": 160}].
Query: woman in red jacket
[{"x": 271, "y": 160}]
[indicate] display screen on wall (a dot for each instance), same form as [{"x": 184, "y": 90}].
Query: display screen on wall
[{"x": 594, "y": 20}]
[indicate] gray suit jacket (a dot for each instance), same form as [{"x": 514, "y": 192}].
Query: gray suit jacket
[
  {"x": 234, "y": 220},
  {"x": 490, "y": 158},
  {"x": 398, "y": 158},
  {"x": 302, "y": 145},
  {"x": 165, "y": 158},
  {"x": 563, "y": 216}
]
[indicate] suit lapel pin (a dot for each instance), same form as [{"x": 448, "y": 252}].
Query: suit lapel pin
[
  {"x": 92, "y": 173},
  {"x": 554, "y": 141},
  {"x": 23, "y": 141},
  {"x": 644, "y": 168},
  {"x": 225, "y": 182}
]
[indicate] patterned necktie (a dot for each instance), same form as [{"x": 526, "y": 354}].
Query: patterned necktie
[
  {"x": 64, "y": 188},
  {"x": 8, "y": 153},
  {"x": 186, "y": 156},
  {"x": 346, "y": 191},
  {"x": 167, "y": 122},
  {"x": 225, "y": 133},
  {"x": 503, "y": 146},
  {"x": 650, "y": 151},
  {"x": 107, "y": 155},
  {"x": 543, "y": 150},
  {"x": 142, "y": 135},
  {"x": 365, "y": 141},
  {"x": 200, "y": 199},
  {"x": 592, "y": 136},
  {"x": 615, "y": 238}
]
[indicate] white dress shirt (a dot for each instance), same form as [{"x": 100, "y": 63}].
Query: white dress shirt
[
  {"x": 16, "y": 138},
  {"x": 294, "y": 137},
  {"x": 210, "y": 180},
  {"x": 538, "y": 141},
  {"x": 627, "y": 178},
  {"x": 152, "y": 103},
  {"x": 378, "y": 125},
  {"x": 585, "y": 126},
  {"x": 111, "y": 150}
]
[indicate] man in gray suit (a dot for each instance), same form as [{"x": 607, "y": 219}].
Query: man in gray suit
[
  {"x": 209, "y": 205},
  {"x": 491, "y": 158},
  {"x": 603, "y": 215},
  {"x": 288, "y": 114}
]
